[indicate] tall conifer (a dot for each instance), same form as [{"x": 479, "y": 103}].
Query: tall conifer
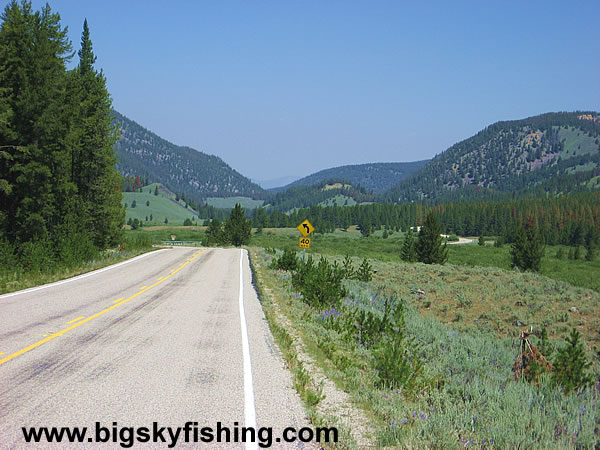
[
  {"x": 92, "y": 138},
  {"x": 430, "y": 247}
]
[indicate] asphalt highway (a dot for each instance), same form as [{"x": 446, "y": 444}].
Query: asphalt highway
[{"x": 155, "y": 342}]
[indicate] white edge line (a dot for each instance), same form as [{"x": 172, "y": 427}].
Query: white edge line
[
  {"x": 249, "y": 409},
  {"x": 79, "y": 277}
]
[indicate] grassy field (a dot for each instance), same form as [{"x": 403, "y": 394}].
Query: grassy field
[
  {"x": 579, "y": 273},
  {"x": 339, "y": 200},
  {"x": 229, "y": 203},
  {"x": 464, "y": 321},
  {"x": 160, "y": 207},
  {"x": 577, "y": 143}
]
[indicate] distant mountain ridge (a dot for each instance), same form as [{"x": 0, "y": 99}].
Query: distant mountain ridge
[
  {"x": 547, "y": 154},
  {"x": 376, "y": 177},
  {"x": 181, "y": 169}
]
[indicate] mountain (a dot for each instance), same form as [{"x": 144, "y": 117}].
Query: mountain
[
  {"x": 547, "y": 154},
  {"x": 376, "y": 177},
  {"x": 180, "y": 169},
  {"x": 326, "y": 193}
]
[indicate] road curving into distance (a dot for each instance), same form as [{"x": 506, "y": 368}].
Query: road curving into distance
[{"x": 159, "y": 339}]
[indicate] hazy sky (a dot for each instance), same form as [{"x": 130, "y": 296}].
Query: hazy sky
[{"x": 280, "y": 88}]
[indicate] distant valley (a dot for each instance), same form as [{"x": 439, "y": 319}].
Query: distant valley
[{"x": 549, "y": 154}]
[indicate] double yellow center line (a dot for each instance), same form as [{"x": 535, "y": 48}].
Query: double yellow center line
[{"x": 116, "y": 304}]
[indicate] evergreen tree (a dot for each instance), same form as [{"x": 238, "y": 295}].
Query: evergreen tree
[
  {"x": 430, "y": 248},
  {"x": 570, "y": 368},
  {"x": 527, "y": 249},
  {"x": 156, "y": 190},
  {"x": 237, "y": 227},
  {"x": 36, "y": 191},
  {"x": 408, "y": 252},
  {"x": 591, "y": 244},
  {"x": 92, "y": 139},
  {"x": 214, "y": 232},
  {"x": 481, "y": 241},
  {"x": 365, "y": 228},
  {"x": 365, "y": 271}
]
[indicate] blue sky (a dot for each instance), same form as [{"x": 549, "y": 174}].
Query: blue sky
[{"x": 280, "y": 88}]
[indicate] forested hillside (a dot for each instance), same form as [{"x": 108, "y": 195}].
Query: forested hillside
[
  {"x": 59, "y": 191},
  {"x": 181, "y": 169},
  {"x": 325, "y": 193},
  {"x": 520, "y": 156},
  {"x": 376, "y": 177}
]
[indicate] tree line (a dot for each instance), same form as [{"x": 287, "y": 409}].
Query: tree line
[
  {"x": 563, "y": 220},
  {"x": 60, "y": 195}
]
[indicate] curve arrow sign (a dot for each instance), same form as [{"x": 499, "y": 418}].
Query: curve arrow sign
[{"x": 305, "y": 228}]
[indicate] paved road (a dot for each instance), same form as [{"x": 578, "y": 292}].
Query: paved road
[{"x": 157, "y": 339}]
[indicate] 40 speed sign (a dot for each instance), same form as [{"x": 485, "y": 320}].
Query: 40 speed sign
[{"x": 304, "y": 242}]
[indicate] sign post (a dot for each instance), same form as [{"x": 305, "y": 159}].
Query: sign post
[{"x": 305, "y": 228}]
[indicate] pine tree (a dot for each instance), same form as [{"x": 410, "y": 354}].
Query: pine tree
[
  {"x": 408, "y": 252},
  {"x": 570, "y": 368},
  {"x": 214, "y": 232},
  {"x": 481, "y": 241},
  {"x": 430, "y": 248},
  {"x": 237, "y": 227},
  {"x": 93, "y": 136},
  {"x": 365, "y": 271},
  {"x": 527, "y": 249},
  {"x": 34, "y": 185}
]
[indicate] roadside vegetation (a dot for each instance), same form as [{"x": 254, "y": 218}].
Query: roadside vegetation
[
  {"x": 428, "y": 350},
  {"x": 41, "y": 265}
]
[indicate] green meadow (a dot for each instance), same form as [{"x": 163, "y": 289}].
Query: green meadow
[{"x": 154, "y": 209}]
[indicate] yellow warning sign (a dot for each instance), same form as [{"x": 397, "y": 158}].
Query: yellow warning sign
[
  {"x": 304, "y": 242},
  {"x": 305, "y": 228}
]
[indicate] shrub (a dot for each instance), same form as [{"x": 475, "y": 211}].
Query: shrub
[
  {"x": 8, "y": 258},
  {"x": 138, "y": 241},
  {"x": 187, "y": 223},
  {"x": 397, "y": 363},
  {"x": 287, "y": 261},
  {"x": 348, "y": 267},
  {"x": 76, "y": 248},
  {"x": 321, "y": 284},
  {"x": 365, "y": 271},
  {"x": 37, "y": 255}
]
